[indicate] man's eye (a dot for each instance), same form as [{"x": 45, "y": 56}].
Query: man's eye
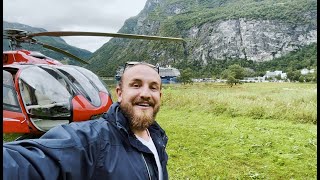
[
  {"x": 154, "y": 88},
  {"x": 135, "y": 85}
]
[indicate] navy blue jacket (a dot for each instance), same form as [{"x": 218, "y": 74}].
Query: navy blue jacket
[{"x": 98, "y": 149}]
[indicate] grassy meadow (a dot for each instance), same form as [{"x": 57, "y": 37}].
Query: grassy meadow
[{"x": 249, "y": 131}]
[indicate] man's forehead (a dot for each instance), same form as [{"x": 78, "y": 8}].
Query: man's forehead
[{"x": 140, "y": 71}]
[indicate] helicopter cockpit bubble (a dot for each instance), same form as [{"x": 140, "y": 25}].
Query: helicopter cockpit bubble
[{"x": 50, "y": 100}]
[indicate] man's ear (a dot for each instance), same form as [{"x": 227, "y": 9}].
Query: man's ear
[{"x": 119, "y": 93}]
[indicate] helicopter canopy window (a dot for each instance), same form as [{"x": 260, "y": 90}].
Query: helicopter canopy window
[
  {"x": 82, "y": 83},
  {"x": 43, "y": 95},
  {"x": 10, "y": 101},
  {"x": 94, "y": 78}
]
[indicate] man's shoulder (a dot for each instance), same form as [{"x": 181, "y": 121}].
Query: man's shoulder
[
  {"x": 72, "y": 134},
  {"x": 97, "y": 124}
]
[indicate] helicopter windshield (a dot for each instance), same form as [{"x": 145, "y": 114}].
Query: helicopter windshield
[
  {"x": 94, "y": 78},
  {"x": 82, "y": 83},
  {"x": 10, "y": 101},
  {"x": 46, "y": 98},
  {"x": 40, "y": 89}
]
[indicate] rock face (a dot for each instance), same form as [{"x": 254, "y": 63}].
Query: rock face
[
  {"x": 252, "y": 39},
  {"x": 257, "y": 40},
  {"x": 214, "y": 30}
]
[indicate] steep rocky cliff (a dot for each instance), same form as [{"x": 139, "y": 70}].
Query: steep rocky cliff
[
  {"x": 257, "y": 30},
  {"x": 257, "y": 40}
]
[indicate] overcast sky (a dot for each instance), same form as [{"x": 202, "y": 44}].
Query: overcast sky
[{"x": 74, "y": 15}]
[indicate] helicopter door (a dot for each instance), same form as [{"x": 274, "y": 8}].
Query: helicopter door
[{"x": 14, "y": 121}]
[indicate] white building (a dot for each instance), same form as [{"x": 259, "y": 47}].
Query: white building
[
  {"x": 305, "y": 71},
  {"x": 274, "y": 74}
]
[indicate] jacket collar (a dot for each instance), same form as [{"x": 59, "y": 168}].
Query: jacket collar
[{"x": 118, "y": 117}]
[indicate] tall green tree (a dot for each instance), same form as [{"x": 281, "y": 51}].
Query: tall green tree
[
  {"x": 233, "y": 74},
  {"x": 185, "y": 76}
]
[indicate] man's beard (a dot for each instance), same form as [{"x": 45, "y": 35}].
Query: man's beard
[{"x": 140, "y": 120}]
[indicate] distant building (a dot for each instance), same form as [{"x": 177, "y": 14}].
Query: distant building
[
  {"x": 167, "y": 74},
  {"x": 305, "y": 71},
  {"x": 274, "y": 74}
]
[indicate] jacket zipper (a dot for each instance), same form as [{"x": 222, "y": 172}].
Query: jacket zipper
[{"x": 146, "y": 166}]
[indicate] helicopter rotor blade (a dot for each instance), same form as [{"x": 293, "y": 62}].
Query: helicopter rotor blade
[
  {"x": 120, "y": 35},
  {"x": 62, "y": 51},
  {"x": 21, "y": 36}
]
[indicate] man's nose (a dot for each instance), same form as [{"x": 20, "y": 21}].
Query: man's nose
[{"x": 145, "y": 92}]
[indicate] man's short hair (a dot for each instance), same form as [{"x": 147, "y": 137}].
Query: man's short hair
[{"x": 134, "y": 63}]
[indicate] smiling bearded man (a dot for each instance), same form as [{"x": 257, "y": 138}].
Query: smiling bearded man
[{"x": 139, "y": 99}]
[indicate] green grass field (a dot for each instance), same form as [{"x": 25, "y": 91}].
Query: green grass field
[{"x": 249, "y": 131}]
